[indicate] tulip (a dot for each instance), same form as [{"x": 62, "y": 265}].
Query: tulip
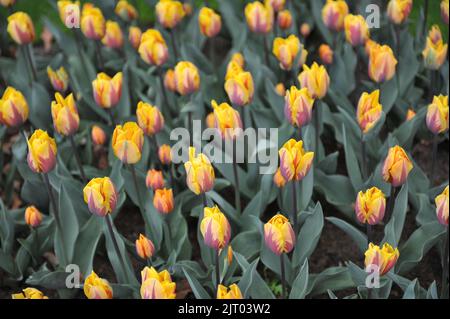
[
  {"x": 13, "y": 108},
  {"x": 165, "y": 154},
  {"x": 334, "y": 13},
  {"x": 239, "y": 88},
  {"x": 7, "y": 3},
  {"x": 153, "y": 48},
  {"x": 107, "y": 90},
  {"x": 396, "y": 167},
  {"x": 21, "y": 28},
  {"x": 101, "y": 196},
  {"x": 41, "y": 152},
  {"x": 234, "y": 67},
  {"x": 435, "y": 51},
  {"x": 134, "y": 36},
  {"x": 209, "y": 22},
  {"x": 280, "y": 89},
  {"x": 127, "y": 142},
  {"x": 29, "y": 293},
  {"x": 113, "y": 35},
  {"x": 169, "y": 81},
  {"x": 383, "y": 259},
  {"x": 187, "y": 78},
  {"x": 315, "y": 79},
  {"x": 437, "y": 115},
  {"x": 298, "y": 106},
  {"x": 238, "y": 58},
  {"x": 410, "y": 114},
  {"x": 382, "y": 63},
  {"x": 295, "y": 161},
  {"x": 98, "y": 136},
  {"x": 398, "y": 10},
  {"x": 278, "y": 179},
  {"x": 68, "y": 11},
  {"x": 227, "y": 120},
  {"x": 369, "y": 110},
  {"x": 279, "y": 235},
  {"x": 92, "y": 22},
  {"x": 229, "y": 255},
  {"x": 157, "y": 285},
  {"x": 144, "y": 247},
  {"x": 200, "y": 173},
  {"x": 233, "y": 292},
  {"x": 277, "y": 5},
  {"x": 259, "y": 17},
  {"x": 59, "y": 79},
  {"x": 149, "y": 118},
  {"x": 305, "y": 30},
  {"x": 286, "y": 51},
  {"x": 169, "y": 13},
  {"x": 326, "y": 54},
  {"x": 444, "y": 11},
  {"x": 284, "y": 19},
  {"x": 97, "y": 288},
  {"x": 370, "y": 206},
  {"x": 154, "y": 179},
  {"x": 187, "y": 7},
  {"x": 33, "y": 216},
  {"x": 125, "y": 10},
  {"x": 215, "y": 228},
  {"x": 370, "y": 44},
  {"x": 211, "y": 120},
  {"x": 442, "y": 207},
  {"x": 356, "y": 29},
  {"x": 65, "y": 114},
  {"x": 163, "y": 200}
]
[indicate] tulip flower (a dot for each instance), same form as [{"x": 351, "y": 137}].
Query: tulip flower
[
  {"x": 29, "y": 293},
  {"x": 238, "y": 58},
  {"x": 398, "y": 10},
  {"x": 21, "y": 28},
  {"x": 239, "y": 88},
  {"x": 383, "y": 258},
  {"x": 334, "y": 13},
  {"x": 211, "y": 120},
  {"x": 144, "y": 247},
  {"x": 113, "y": 37},
  {"x": 126, "y": 11},
  {"x": 153, "y": 48},
  {"x": 97, "y": 288},
  {"x": 65, "y": 114},
  {"x": 295, "y": 162},
  {"x": 163, "y": 200},
  {"x": 305, "y": 30},
  {"x": 134, "y": 36},
  {"x": 101, "y": 196},
  {"x": 229, "y": 255},
  {"x": 154, "y": 179},
  {"x": 326, "y": 54},
  {"x": 284, "y": 19},
  {"x": 369, "y": 110},
  {"x": 149, "y": 118},
  {"x": 259, "y": 17},
  {"x": 199, "y": 173},
  {"x": 410, "y": 114},
  {"x": 442, "y": 207},
  {"x": 92, "y": 23},
  {"x": 33, "y": 216},
  {"x": 286, "y": 51},
  {"x": 107, "y": 90},
  {"x": 396, "y": 167},
  {"x": 382, "y": 63},
  {"x": 215, "y": 228},
  {"x": 187, "y": 7},
  {"x": 209, "y": 22},
  {"x": 41, "y": 152},
  {"x": 227, "y": 120},
  {"x": 13, "y": 108},
  {"x": 356, "y": 29},
  {"x": 127, "y": 142},
  {"x": 157, "y": 285},
  {"x": 298, "y": 105},
  {"x": 233, "y": 292},
  {"x": 98, "y": 136},
  {"x": 7, "y": 3},
  {"x": 59, "y": 79},
  {"x": 277, "y": 5},
  {"x": 444, "y": 11},
  {"x": 435, "y": 51},
  {"x": 169, "y": 81},
  {"x": 165, "y": 154},
  {"x": 169, "y": 13},
  {"x": 278, "y": 179},
  {"x": 187, "y": 78},
  {"x": 280, "y": 89},
  {"x": 437, "y": 115},
  {"x": 315, "y": 79},
  {"x": 370, "y": 44},
  {"x": 370, "y": 206},
  {"x": 68, "y": 10}
]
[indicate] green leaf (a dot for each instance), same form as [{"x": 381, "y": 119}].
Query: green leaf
[
  {"x": 247, "y": 278},
  {"x": 394, "y": 227},
  {"x": 337, "y": 277},
  {"x": 358, "y": 237},
  {"x": 86, "y": 244},
  {"x": 300, "y": 285},
  {"x": 197, "y": 289},
  {"x": 352, "y": 163}
]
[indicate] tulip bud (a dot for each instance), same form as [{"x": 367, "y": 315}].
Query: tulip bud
[
  {"x": 369, "y": 110},
  {"x": 59, "y": 79},
  {"x": 144, "y": 247},
  {"x": 107, "y": 90},
  {"x": 211, "y": 120},
  {"x": 149, "y": 118},
  {"x": 229, "y": 255},
  {"x": 295, "y": 162},
  {"x": 279, "y": 235},
  {"x": 305, "y": 30},
  {"x": 284, "y": 19},
  {"x": 215, "y": 228},
  {"x": 7, "y": 3},
  {"x": 101, "y": 196},
  {"x": 410, "y": 114},
  {"x": 298, "y": 106},
  {"x": 356, "y": 29},
  {"x": 154, "y": 179},
  {"x": 239, "y": 88},
  {"x": 113, "y": 35},
  {"x": 134, "y": 36},
  {"x": 382, "y": 63},
  {"x": 227, "y": 120},
  {"x": 370, "y": 206},
  {"x": 169, "y": 13},
  {"x": 157, "y": 285},
  {"x": 98, "y": 135},
  {"x": 233, "y": 292},
  {"x": 29, "y": 293},
  {"x": 396, "y": 167},
  {"x": 187, "y": 78},
  {"x": 153, "y": 48},
  {"x": 92, "y": 22},
  {"x": 286, "y": 51},
  {"x": 125, "y": 11},
  {"x": 209, "y": 22},
  {"x": 315, "y": 79},
  {"x": 13, "y": 108},
  {"x": 41, "y": 152},
  {"x": 334, "y": 13},
  {"x": 280, "y": 89},
  {"x": 278, "y": 179},
  {"x": 398, "y": 10},
  {"x": 169, "y": 80},
  {"x": 437, "y": 115},
  {"x": 127, "y": 142},
  {"x": 97, "y": 288},
  {"x": 277, "y": 5},
  {"x": 21, "y": 28},
  {"x": 68, "y": 10},
  {"x": 165, "y": 154},
  {"x": 65, "y": 114},
  {"x": 444, "y": 11},
  {"x": 383, "y": 259},
  {"x": 33, "y": 216},
  {"x": 442, "y": 207},
  {"x": 435, "y": 51},
  {"x": 326, "y": 54},
  {"x": 259, "y": 17},
  {"x": 163, "y": 200},
  {"x": 200, "y": 173}
]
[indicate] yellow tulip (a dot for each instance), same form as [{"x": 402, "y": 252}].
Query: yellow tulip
[
  {"x": 286, "y": 51},
  {"x": 154, "y": 179},
  {"x": 29, "y": 293},
  {"x": 125, "y": 10},
  {"x": 59, "y": 79},
  {"x": 163, "y": 200},
  {"x": 134, "y": 36},
  {"x": 233, "y": 292},
  {"x": 127, "y": 142},
  {"x": 199, "y": 173},
  {"x": 107, "y": 90},
  {"x": 277, "y": 5},
  {"x": 370, "y": 206},
  {"x": 98, "y": 136},
  {"x": 211, "y": 120},
  {"x": 437, "y": 115},
  {"x": 165, "y": 154},
  {"x": 435, "y": 51},
  {"x": 356, "y": 29},
  {"x": 280, "y": 89},
  {"x": 157, "y": 285},
  {"x": 101, "y": 196},
  {"x": 153, "y": 48},
  {"x": 209, "y": 22},
  {"x": 298, "y": 105},
  {"x": 149, "y": 118},
  {"x": 334, "y": 13},
  {"x": 410, "y": 114},
  {"x": 97, "y": 288},
  {"x": 369, "y": 110},
  {"x": 215, "y": 228},
  {"x": 444, "y": 11},
  {"x": 7, "y": 3},
  {"x": 278, "y": 179},
  {"x": 169, "y": 80},
  {"x": 284, "y": 19},
  {"x": 295, "y": 162},
  {"x": 13, "y": 108},
  {"x": 21, "y": 28},
  {"x": 442, "y": 207},
  {"x": 68, "y": 11},
  {"x": 396, "y": 167},
  {"x": 113, "y": 35},
  {"x": 169, "y": 13},
  {"x": 382, "y": 63},
  {"x": 305, "y": 30},
  {"x": 92, "y": 22},
  {"x": 33, "y": 216},
  {"x": 383, "y": 259},
  {"x": 65, "y": 114},
  {"x": 315, "y": 79},
  {"x": 41, "y": 152},
  {"x": 326, "y": 54},
  {"x": 259, "y": 17},
  {"x": 144, "y": 247},
  {"x": 279, "y": 235},
  {"x": 187, "y": 78},
  {"x": 239, "y": 88},
  {"x": 398, "y": 10},
  {"x": 227, "y": 120}
]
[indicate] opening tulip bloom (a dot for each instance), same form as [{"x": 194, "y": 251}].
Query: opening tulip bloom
[
  {"x": 65, "y": 114},
  {"x": 98, "y": 136},
  {"x": 21, "y": 28},
  {"x": 435, "y": 51},
  {"x": 382, "y": 63},
  {"x": 383, "y": 259},
  {"x": 259, "y": 17},
  {"x": 239, "y": 87},
  {"x": 298, "y": 106},
  {"x": 163, "y": 200},
  {"x": 199, "y": 173},
  {"x": 149, "y": 118},
  {"x": 315, "y": 79},
  {"x": 113, "y": 35},
  {"x": 107, "y": 90},
  {"x": 369, "y": 110},
  {"x": 284, "y": 19},
  {"x": 29, "y": 293},
  {"x": 333, "y": 14},
  {"x": 187, "y": 78},
  {"x": 227, "y": 120},
  {"x": 398, "y": 10},
  {"x": 33, "y": 216},
  {"x": 370, "y": 206},
  {"x": 295, "y": 162},
  {"x": 157, "y": 285},
  {"x": 396, "y": 167},
  {"x": 437, "y": 115},
  {"x": 134, "y": 36},
  {"x": 442, "y": 207},
  {"x": 127, "y": 142},
  {"x": 154, "y": 179},
  {"x": 41, "y": 152},
  {"x": 13, "y": 108},
  {"x": 209, "y": 22},
  {"x": 101, "y": 196},
  {"x": 97, "y": 288},
  {"x": 165, "y": 154},
  {"x": 59, "y": 79},
  {"x": 215, "y": 228},
  {"x": 92, "y": 22},
  {"x": 126, "y": 11},
  {"x": 286, "y": 51},
  {"x": 279, "y": 235},
  {"x": 326, "y": 54},
  {"x": 233, "y": 292},
  {"x": 144, "y": 247},
  {"x": 169, "y": 13},
  {"x": 356, "y": 29},
  {"x": 153, "y": 48}
]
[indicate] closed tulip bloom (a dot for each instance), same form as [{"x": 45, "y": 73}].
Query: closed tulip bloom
[
  {"x": 59, "y": 79},
  {"x": 295, "y": 162},
  {"x": 211, "y": 120},
  {"x": 153, "y": 48},
  {"x": 157, "y": 285},
  {"x": 134, "y": 36},
  {"x": 396, "y": 167},
  {"x": 65, "y": 114},
  {"x": 238, "y": 58},
  {"x": 442, "y": 207},
  {"x": 383, "y": 258},
  {"x": 233, "y": 292},
  {"x": 200, "y": 173},
  {"x": 101, "y": 196},
  {"x": 356, "y": 29},
  {"x": 98, "y": 136},
  {"x": 305, "y": 30},
  {"x": 284, "y": 19},
  {"x": 277, "y": 5},
  {"x": 382, "y": 63},
  {"x": 144, "y": 247},
  {"x": 107, "y": 90},
  {"x": 92, "y": 22},
  {"x": 113, "y": 35},
  {"x": 165, "y": 154},
  {"x": 169, "y": 80},
  {"x": 154, "y": 179},
  {"x": 437, "y": 115},
  {"x": 398, "y": 10},
  {"x": 239, "y": 88},
  {"x": 21, "y": 28},
  {"x": 169, "y": 13},
  {"x": 125, "y": 10},
  {"x": 209, "y": 22},
  {"x": 163, "y": 200},
  {"x": 410, "y": 114},
  {"x": 215, "y": 228},
  {"x": 29, "y": 293},
  {"x": 149, "y": 118},
  {"x": 286, "y": 51},
  {"x": 279, "y": 235},
  {"x": 369, "y": 110},
  {"x": 334, "y": 13},
  {"x": 13, "y": 108},
  {"x": 187, "y": 78},
  {"x": 41, "y": 152},
  {"x": 315, "y": 79},
  {"x": 127, "y": 142},
  {"x": 370, "y": 206},
  {"x": 435, "y": 51},
  {"x": 298, "y": 105},
  {"x": 97, "y": 288},
  {"x": 444, "y": 11},
  {"x": 33, "y": 216},
  {"x": 278, "y": 179},
  {"x": 280, "y": 89},
  {"x": 326, "y": 54},
  {"x": 68, "y": 10},
  {"x": 7, "y": 3},
  {"x": 227, "y": 120},
  {"x": 259, "y": 17}
]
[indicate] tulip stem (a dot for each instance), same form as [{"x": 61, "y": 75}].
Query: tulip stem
[
  {"x": 390, "y": 205},
  {"x": 174, "y": 44},
  {"x": 138, "y": 194},
  {"x": 434, "y": 158},
  {"x": 111, "y": 116},
  {"x": 77, "y": 158},
  {"x": 27, "y": 52},
  {"x": 317, "y": 137},
  {"x": 369, "y": 233},
  {"x": 109, "y": 223},
  {"x": 425, "y": 18},
  {"x": 445, "y": 268},
  {"x": 237, "y": 194},
  {"x": 364, "y": 158},
  {"x": 98, "y": 51},
  {"x": 205, "y": 200},
  {"x": 294, "y": 199},
  {"x": 283, "y": 277},
  {"x": 164, "y": 92},
  {"x": 217, "y": 268},
  {"x": 266, "y": 50}
]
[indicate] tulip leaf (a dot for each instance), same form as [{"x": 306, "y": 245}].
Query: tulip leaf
[
  {"x": 358, "y": 237},
  {"x": 246, "y": 281},
  {"x": 197, "y": 289},
  {"x": 337, "y": 277},
  {"x": 351, "y": 161},
  {"x": 394, "y": 228},
  {"x": 300, "y": 285}
]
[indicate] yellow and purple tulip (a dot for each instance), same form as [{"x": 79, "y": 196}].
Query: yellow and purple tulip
[
  {"x": 33, "y": 216},
  {"x": 444, "y": 11},
  {"x": 107, "y": 90},
  {"x": 295, "y": 162},
  {"x": 227, "y": 120},
  {"x": 134, "y": 36},
  {"x": 305, "y": 30},
  {"x": 165, "y": 154},
  {"x": 153, "y": 48},
  {"x": 209, "y": 22},
  {"x": 65, "y": 114},
  {"x": 200, "y": 173},
  {"x": 125, "y": 11},
  {"x": 356, "y": 29},
  {"x": 259, "y": 17},
  {"x": 277, "y": 5},
  {"x": 154, "y": 179},
  {"x": 435, "y": 51},
  {"x": 144, "y": 247},
  {"x": 187, "y": 7},
  {"x": 279, "y": 235},
  {"x": 280, "y": 89},
  {"x": 369, "y": 110},
  {"x": 13, "y": 108},
  {"x": 98, "y": 135},
  {"x": 396, "y": 167},
  {"x": 127, "y": 142},
  {"x": 239, "y": 88},
  {"x": 187, "y": 78},
  {"x": 286, "y": 51},
  {"x": 68, "y": 10},
  {"x": 210, "y": 120},
  {"x": 370, "y": 206},
  {"x": 229, "y": 255},
  {"x": 315, "y": 79},
  {"x": 101, "y": 196},
  {"x": 383, "y": 258},
  {"x": 21, "y": 28},
  {"x": 298, "y": 105},
  {"x": 334, "y": 13},
  {"x": 149, "y": 118},
  {"x": 169, "y": 80},
  {"x": 232, "y": 292},
  {"x": 284, "y": 19},
  {"x": 382, "y": 63},
  {"x": 169, "y": 13},
  {"x": 215, "y": 228},
  {"x": 59, "y": 79},
  {"x": 398, "y": 10},
  {"x": 163, "y": 200},
  {"x": 29, "y": 293},
  {"x": 41, "y": 152},
  {"x": 326, "y": 54},
  {"x": 278, "y": 179},
  {"x": 113, "y": 35},
  {"x": 92, "y": 23},
  {"x": 238, "y": 58},
  {"x": 97, "y": 288},
  {"x": 437, "y": 115},
  {"x": 442, "y": 207},
  {"x": 157, "y": 285}
]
